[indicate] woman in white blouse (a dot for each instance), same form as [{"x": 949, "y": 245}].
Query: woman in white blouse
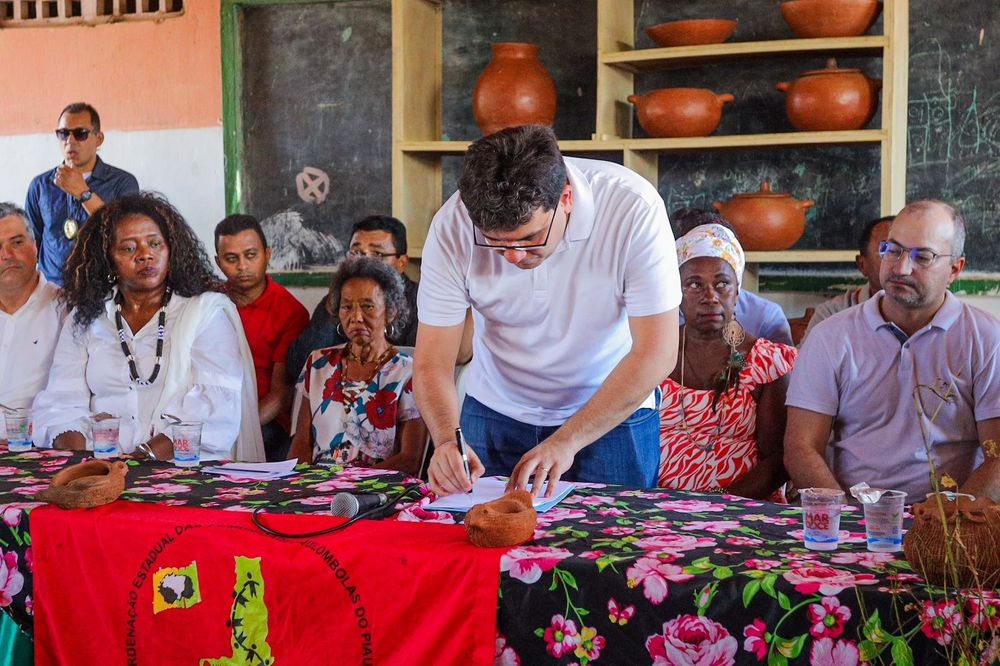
[{"x": 150, "y": 341}]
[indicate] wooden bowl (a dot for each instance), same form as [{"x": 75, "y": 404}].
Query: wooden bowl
[
  {"x": 691, "y": 33},
  {"x": 830, "y": 18}
]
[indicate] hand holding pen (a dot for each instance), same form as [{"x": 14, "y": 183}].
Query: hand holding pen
[{"x": 448, "y": 473}]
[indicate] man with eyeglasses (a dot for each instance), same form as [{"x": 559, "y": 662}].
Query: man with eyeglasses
[
  {"x": 62, "y": 199},
  {"x": 912, "y": 373},
  {"x": 571, "y": 272},
  {"x": 868, "y": 261}
]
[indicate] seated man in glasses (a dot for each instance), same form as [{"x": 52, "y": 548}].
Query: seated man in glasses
[
  {"x": 570, "y": 269},
  {"x": 909, "y": 377},
  {"x": 868, "y": 262},
  {"x": 62, "y": 199}
]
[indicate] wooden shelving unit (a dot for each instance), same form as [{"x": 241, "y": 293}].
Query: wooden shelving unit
[{"x": 418, "y": 150}]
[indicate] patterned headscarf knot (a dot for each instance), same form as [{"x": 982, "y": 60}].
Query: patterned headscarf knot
[{"x": 712, "y": 240}]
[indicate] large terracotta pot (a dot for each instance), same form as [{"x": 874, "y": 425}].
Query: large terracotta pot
[
  {"x": 766, "y": 220},
  {"x": 691, "y": 33},
  {"x": 831, "y": 99},
  {"x": 674, "y": 112},
  {"x": 514, "y": 89},
  {"x": 830, "y": 18}
]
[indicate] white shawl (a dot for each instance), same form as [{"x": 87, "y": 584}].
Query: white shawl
[{"x": 178, "y": 379}]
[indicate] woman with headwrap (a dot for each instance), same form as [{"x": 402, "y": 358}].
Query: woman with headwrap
[{"x": 722, "y": 418}]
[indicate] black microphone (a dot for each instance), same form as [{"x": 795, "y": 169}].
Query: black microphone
[{"x": 348, "y": 505}]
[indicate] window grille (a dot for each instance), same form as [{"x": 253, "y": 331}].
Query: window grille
[{"x": 48, "y": 13}]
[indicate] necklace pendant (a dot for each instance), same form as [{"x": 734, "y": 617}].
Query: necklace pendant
[{"x": 70, "y": 228}]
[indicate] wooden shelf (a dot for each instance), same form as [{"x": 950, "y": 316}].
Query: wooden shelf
[
  {"x": 802, "y": 257},
  {"x": 459, "y": 147},
  {"x": 417, "y": 82},
  {"x": 645, "y": 60},
  {"x": 777, "y": 140}
]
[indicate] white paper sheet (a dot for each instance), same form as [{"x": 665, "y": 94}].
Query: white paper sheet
[{"x": 490, "y": 488}]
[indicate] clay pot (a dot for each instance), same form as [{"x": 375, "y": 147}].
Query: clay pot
[
  {"x": 674, "y": 112},
  {"x": 504, "y": 522},
  {"x": 85, "y": 485},
  {"x": 972, "y": 529},
  {"x": 830, "y": 18},
  {"x": 514, "y": 89},
  {"x": 766, "y": 220},
  {"x": 831, "y": 99},
  {"x": 691, "y": 33}
]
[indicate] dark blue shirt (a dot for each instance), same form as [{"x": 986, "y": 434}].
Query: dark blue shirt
[{"x": 48, "y": 208}]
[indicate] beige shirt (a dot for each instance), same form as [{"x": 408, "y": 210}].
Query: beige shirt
[{"x": 27, "y": 341}]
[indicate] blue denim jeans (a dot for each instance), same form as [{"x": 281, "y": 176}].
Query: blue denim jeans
[{"x": 628, "y": 455}]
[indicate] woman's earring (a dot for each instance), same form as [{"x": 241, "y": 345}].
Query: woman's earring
[
  {"x": 733, "y": 334},
  {"x": 112, "y": 278},
  {"x": 390, "y": 329},
  {"x": 340, "y": 330}
]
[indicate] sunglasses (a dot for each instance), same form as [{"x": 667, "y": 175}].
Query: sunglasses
[{"x": 79, "y": 133}]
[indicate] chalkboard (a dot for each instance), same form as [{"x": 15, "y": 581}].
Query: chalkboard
[
  {"x": 317, "y": 83},
  {"x": 317, "y": 118}
]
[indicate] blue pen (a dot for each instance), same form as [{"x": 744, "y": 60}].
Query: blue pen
[{"x": 465, "y": 455}]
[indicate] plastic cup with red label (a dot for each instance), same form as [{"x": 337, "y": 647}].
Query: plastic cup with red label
[
  {"x": 821, "y": 517},
  {"x": 187, "y": 443}
]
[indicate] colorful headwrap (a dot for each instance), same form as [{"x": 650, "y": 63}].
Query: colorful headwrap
[{"x": 712, "y": 240}]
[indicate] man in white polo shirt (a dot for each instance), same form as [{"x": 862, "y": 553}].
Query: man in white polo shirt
[
  {"x": 862, "y": 373},
  {"x": 571, "y": 272},
  {"x": 30, "y": 313}
]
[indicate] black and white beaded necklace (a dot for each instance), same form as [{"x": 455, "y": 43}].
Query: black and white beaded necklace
[{"x": 161, "y": 332}]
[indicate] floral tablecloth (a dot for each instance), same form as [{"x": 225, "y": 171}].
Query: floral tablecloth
[{"x": 616, "y": 575}]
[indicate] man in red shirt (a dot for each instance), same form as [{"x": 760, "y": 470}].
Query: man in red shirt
[{"x": 272, "y": 319}]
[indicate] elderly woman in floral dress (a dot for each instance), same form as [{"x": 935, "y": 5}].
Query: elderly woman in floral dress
[
  {"x": 722, "y": 418},
  {"x": 357, "y": 405}
]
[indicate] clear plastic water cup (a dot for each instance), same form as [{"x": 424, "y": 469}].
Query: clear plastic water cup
[
  {"x": 884, "y": 522},
  {"x": 104, "y": 432},
  {"x": 187, "y": 443},
  {"x": 821, "y": 517},
  {"x": 18, "y": 430}
]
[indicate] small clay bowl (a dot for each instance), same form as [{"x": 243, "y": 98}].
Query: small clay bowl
[
  {"x": 830, "y": 18},
  {"x": 693, "y": 32}
]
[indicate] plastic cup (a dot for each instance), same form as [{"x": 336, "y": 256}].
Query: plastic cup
[
  {"x": 821, "y": 517},
  {"x": 187, "y": 443},
  {"x": 104, "y": 433},
  {"x": 18, "y": 430},
  {"x": 884, "y": 522}
]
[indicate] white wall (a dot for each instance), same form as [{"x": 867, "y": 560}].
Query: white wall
[{"x": 185, "y": 165}]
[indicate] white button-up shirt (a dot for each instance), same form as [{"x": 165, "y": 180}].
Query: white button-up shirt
[
  {"x": 27, "y": 341},
  {"x": 547, "y": 338},
  {"x": 90, "y": 375}
]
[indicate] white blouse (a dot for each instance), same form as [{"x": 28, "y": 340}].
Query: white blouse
[{"x": 90, "y": 375}]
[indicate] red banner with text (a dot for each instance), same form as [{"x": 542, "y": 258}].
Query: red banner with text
[{"x": 133, "y": 583}]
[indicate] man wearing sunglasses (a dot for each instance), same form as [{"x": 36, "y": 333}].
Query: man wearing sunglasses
[
  {"x": 62, "y": 199},
  {"x": 909, "y": 374},
  {"x": 570, "y": 269}
]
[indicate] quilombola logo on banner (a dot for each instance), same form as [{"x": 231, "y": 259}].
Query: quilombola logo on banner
[{"x": 179, "y": 589}]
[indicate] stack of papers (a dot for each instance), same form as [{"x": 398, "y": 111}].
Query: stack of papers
[
  {"x": 255, "y": 471},
  {"x": 490, "y": 488}
]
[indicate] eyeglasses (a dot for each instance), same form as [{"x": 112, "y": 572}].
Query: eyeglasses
[
  {"x": 371, "y": 255},
  {"x": 695, "y": 288},
  {"x": 79, "y": 133},
  {"x": 487, "y": 243},
  {"x": 919, "y": 256}
]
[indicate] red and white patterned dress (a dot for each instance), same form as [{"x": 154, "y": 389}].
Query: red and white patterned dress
[{"x": 685, "y": 461}]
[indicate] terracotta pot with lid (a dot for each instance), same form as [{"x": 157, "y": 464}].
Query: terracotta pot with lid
[
  {"x": 677, "y": 112},
  {"x": 766, "y": 220},
  {"x": 831, "y": 99}
]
